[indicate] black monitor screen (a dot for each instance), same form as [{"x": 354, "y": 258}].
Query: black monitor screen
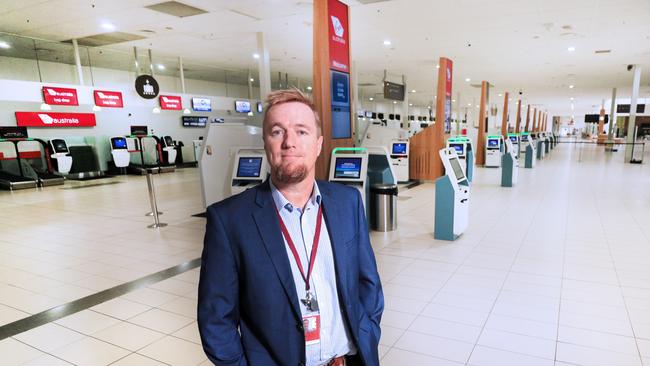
[
  {"x": 139, "y": 130},
  {"x": 59, "y": 146},
  {"x": 249, "y": 167},
  {"x": 118, "y": 143},
  {"x": 380, "y": 115},
  {"x": 458, "y": 170},
  {"x": 169, "y": 141},
  {"x": 513, "y": 139},
  {"x": 347, "y": 168},
  {"x": 493, "y": 143},
  {"x": 399, "y": 148},
  {"x": 242, "y": 106},
  {"x": 458, "y": 148},
  {"x": 398, "y": 117},
  {"x": 391, "y": 116},
  {"x": 411, "y": 118},
  {"x": 374, "y": 115}
]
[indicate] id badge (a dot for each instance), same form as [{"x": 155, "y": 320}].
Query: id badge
[{"x": 311, "y": 324}]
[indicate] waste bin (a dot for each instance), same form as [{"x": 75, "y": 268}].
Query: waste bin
[{"x": 383, "y": 207}]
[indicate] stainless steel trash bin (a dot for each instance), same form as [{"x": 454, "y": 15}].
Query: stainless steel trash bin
[{"x": 383, "y": 207}]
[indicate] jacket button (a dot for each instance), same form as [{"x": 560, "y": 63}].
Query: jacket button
[
  {"x": 300, "y": 327},
  {"x": 301, "y": 364}
]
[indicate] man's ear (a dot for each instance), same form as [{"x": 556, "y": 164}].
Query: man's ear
[{"x": 320, "y": 144}]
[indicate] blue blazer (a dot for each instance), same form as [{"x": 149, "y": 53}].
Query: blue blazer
[{"x": 248, "y": 309}]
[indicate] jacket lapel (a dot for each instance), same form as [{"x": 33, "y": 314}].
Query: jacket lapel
[
  {"x": 334, "y": 228},
  {"x": 267, "y": 223}
]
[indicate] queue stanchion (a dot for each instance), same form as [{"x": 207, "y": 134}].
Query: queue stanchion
[{"x": 154, "y": 206}]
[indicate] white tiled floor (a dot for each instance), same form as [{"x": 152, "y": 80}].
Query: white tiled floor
[{"x": 551, "y": 272}]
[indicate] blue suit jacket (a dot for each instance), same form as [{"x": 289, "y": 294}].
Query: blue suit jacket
[{"x": 246, "y": 280}]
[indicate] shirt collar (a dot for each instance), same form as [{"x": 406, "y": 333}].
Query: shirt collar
[{"x": 282, "y": 202}]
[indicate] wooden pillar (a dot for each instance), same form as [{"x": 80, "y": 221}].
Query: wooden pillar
[
  {"x": 424, "y": 160},
  {"x": 325, "y": 62},
  {"x": 480, "y": 143},
  {"x": 518, "y": 118},
  {"x": 539, "y": 120},
  {"x": 534, "y": 129},
  {"x": 504, "y": 121},
  {"x": 601, "y": 120},
  {"x": 527, "y": 118}
]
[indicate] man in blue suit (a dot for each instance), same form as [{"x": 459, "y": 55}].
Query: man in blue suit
[{"x": 288, "y": 276}]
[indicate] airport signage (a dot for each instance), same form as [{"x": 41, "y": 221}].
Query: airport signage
[
  {"x": 393, "y": 91},
  {"x": 11, "y": 132},
  {"x": 146, "y": 86},
  {"x": 194, "y": 121},
  {"x": 110, "y": 99},
  {"x": 55, "y": 119},
  {"x": 625, "y": 108},
  {"x": 339, "y": 36},
  {"x": 60, "y": 96},
  {"x": 448, "y": 81},
  {"x": 171, "y": 102}
]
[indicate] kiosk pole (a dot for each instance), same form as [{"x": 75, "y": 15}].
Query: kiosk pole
[{"x": 152, "y": 201}]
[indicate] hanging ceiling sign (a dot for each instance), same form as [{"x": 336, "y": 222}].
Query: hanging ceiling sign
[
  {"x": 339, "y": 36},
  {"x": 60, "y": 96},
  {"x": 147, "y": 87},
  {"x": 109, "y": 99},
  {"x": 54, "y": 119},
  {"x": 171, "y": 102}
]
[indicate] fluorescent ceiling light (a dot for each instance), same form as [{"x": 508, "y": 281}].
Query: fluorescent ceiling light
[
  {"x": 108, "y": 26},
  {"x": 371, "y": 98},
  {"x": 4, "y": 45},
  {"x": 468, "y": 79},
  {"x": 571, "y": 49},
  {"x": 571, "y": 86},
  {"x": 437, "y": 66},
  {"x": 413, "y": 91},
  {"x": 252, "y": 80},
  {"x": 387, "y": 42},
  {"x": 453, "y": 100},
  {"x": 256, "y": 56},
  {"x": 500, "y": 95},
  {"x": 394, "y": 102},
  {"x": 161, "y": 67},
  {"x": 410, "y": 104},
  {"x": 469, "y": 104},
  {"x": 309, "y": 88}
]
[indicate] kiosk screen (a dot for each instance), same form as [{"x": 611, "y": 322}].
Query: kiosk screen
[
  {"x": 369, "y": 114},
  {"x": 513, "y": 139},
  {"x": 168, "y": 141},
  {"x": 242, "y": 106},
  {"x": 458, "y": 170},
  {"x": 399, "y": 148},
  {"x": 458, "y": 148},
  {"x": 524, "y": 138},
  {"x": 59, "y": 146},
  {"x": 248, "y": 167},
  {"x": 347, "y": 168},
  {"x": 493, "y": 143},
  {"x": 119, "y": 143}
]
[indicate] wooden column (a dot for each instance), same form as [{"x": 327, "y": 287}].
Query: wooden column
[
  {"x": 534, "y": 129},
  {"x": 424, "y": 160},
  {"x": 480, "y": 143},
  {"x": 539, "y": 120},
  {"x": 518, "y": 118},
  {"x": 545, "y": 121},
  {"x": 527, "y": 118},
  {"x": 601, "y": 120},
  {"x": 322, "y": 86},
  {"x": 504, "y": 121}
]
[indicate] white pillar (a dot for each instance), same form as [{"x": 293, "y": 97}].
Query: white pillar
[
  {"x": 180, "y": 68},
  {"x": 264, "y": 66},
  {"x": 77, "y": 61},
  {"x": 612, "y": 115},
  {"x": 632, "y": 123}
]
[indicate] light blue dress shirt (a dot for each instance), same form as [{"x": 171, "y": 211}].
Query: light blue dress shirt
[{"x": 335, "y": 339}]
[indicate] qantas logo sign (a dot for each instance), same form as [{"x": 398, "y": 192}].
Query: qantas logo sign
[
  {"x": 110, "y": 99},
  {"x": 52, "y": 119},
  {"x": 338, "y": 27},
  {"x": 171, "y": 102},
  {"x": 60, "y": 96}
]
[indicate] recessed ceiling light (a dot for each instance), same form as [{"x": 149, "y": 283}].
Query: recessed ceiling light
[
  {"x": 429, "y": 107},
  {"x": 469, "y": 104},
  {"x": 571, "y": 49},
  {"x": 571, "y": 98},
  {"x": 4, "y": 45},
  {"x": 413, "y": 91},
  {"x": 437, "y": 66},
  {"x": 410, "y": 104},
  {"x": 387, "y": 42},
  {"x": 453, "y": 100},
  {"x": 500, "y": 95},
  {"x": 161, "y": 67},
  {"x": 108, "y": 26},
  {"x": 371, "y": 98},
  {"x": 571, "y": 86},
  {"x": 468, "y": 79},
  {"x": 309, "y": 88},
  {"x": 252, "y": 80},
  {"x": 256, "y": 56},
  {"x": 394, "y": 102}
]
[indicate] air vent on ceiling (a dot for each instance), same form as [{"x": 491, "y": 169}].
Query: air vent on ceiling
[
  {"x": 105, "y": 39},
  {"x": 239, "y": 12},
  {"x": 367, "y": 84},
  {"x": 371, "y": 1},
  {"x": 176, "y": 9},
  {"x": 602, "y": 51}
]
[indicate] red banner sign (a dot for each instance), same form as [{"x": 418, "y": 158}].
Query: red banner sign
[
  {"x": 448, "y": 79},
  {"x": 339, "y": 36},
  {"x": 171, "y": 102},
  {"x": 52, "y": 119},
  {"x": 60, "y": 96},
  {"x": 110, "y": 99}
]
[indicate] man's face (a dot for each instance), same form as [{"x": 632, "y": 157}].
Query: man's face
[{"x": 292, "y": 142}]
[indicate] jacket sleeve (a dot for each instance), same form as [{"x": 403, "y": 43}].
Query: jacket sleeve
[
  {"x": 218, "y": 301},
  {"x": 370, "y": 291}
]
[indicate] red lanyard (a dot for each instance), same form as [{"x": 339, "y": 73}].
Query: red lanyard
[{"x": 314, "y": 248}]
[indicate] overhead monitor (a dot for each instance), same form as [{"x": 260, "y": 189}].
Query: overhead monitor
[
  {"x": 349, "y": 168},
  {"x": 513, "y": 138},
  {"x": 391, "y": 117},
  {"x": 194, "y": 121},
  {"x": 459, "y": 148},
  {"x": 249, "y": 167},
  {"x": 139, "y": 130},
  {"x": 202, "y": 104},
  {"x": 374, "y": 115},
  {"x": 59, "y": 146},
  {"x": 399, "y": 148},
  {"x": 260, "y": 107},
  {"x": 458, "y": 170},
  {"x": 398, "y": 117},
  {"x": 411, "y": 118},
  {"x": 369, "y": 114},
  {"x": 380, "y": 115},
  {"x": 242, "y": 106},
  {"x": 118, "y": 143}
]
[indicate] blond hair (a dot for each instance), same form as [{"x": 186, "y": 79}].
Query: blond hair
[{"x": 286, "y": 96}]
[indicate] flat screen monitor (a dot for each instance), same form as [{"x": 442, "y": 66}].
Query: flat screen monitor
[
  {"x": 398, "y": 117},
  {"x": 194, "y": 121},
  {"x": 202, "y": 104},
  {"x": 399, "y": 148},
  {"x": 349, "y": 168},
  {"x": 118, "y": 143},
  {"x": 249, "y": 167},
  {"x": 524, "y": 137},
  {"x": 369, "y": 114},
  {"x": 260, "y": 107},
  {"x": 513, "y": 139},
  {"x": 374, "y": 115},
  {"x": 411, "y": 118},
  {"x": 458, "y": 170},
  {"x": 493, "y": 143},
  {"x": 59, "y": 146},
  {"x": 139, "y": 130},
  {"x": 459, "y": 149},
  {"x": 168, "y": 141},
  {"x": 242, "y": 106},
  {"x": 391, "y": 116},
  {"x": 380, "y": 115},
  {"x": 424, "y": 125}
]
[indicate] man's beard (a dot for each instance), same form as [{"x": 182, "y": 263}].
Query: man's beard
[{"x": 290, "y": 174}]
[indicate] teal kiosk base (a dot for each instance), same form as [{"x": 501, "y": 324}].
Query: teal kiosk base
[
  {"x": 469, "y": 158},
  {"x": 529, "y": 161},
  {"x": 507, "y": 170},
  {"x": 452, "y": 199}
]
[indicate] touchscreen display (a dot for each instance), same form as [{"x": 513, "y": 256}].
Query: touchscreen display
[
  {"x": 347, "y": 168},
  {"x": 399, "y": 148},
  {"x": 249, "y": 167},
  {"x": 458, "y": 170}
]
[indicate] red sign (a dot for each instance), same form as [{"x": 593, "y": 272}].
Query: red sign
[
  {"x": 108, "y": 99},
  {"x": 172, "y": 102},
  {"x": 60, "y": 96},
  {"x": 339, "y": 36},
  {"x": 448, "y": 79},
  {"x": 53, "y": 119}
]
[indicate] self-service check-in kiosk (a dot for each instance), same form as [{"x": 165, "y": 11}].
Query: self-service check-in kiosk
[
  {"x": 120, "y": 152},
  {"x": 509, "y": 165},
  {"x": 349, "y": 166},
  {"x": 250, "y": 169},
  {"x": 399, "y": 156},
  {"x": 452, "y": 198},
  {"x": 493, "y": 151},
  {"x": 547, "y": 143},
  {"x": 168, "y": 150},
  {"x": 528, "y": 146},
  {"x": 514, "y": 139},
  {"x": 465, "y": 152},
  {"x": 60, "y": 156},
  {"x": 539, "y": 146}
]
